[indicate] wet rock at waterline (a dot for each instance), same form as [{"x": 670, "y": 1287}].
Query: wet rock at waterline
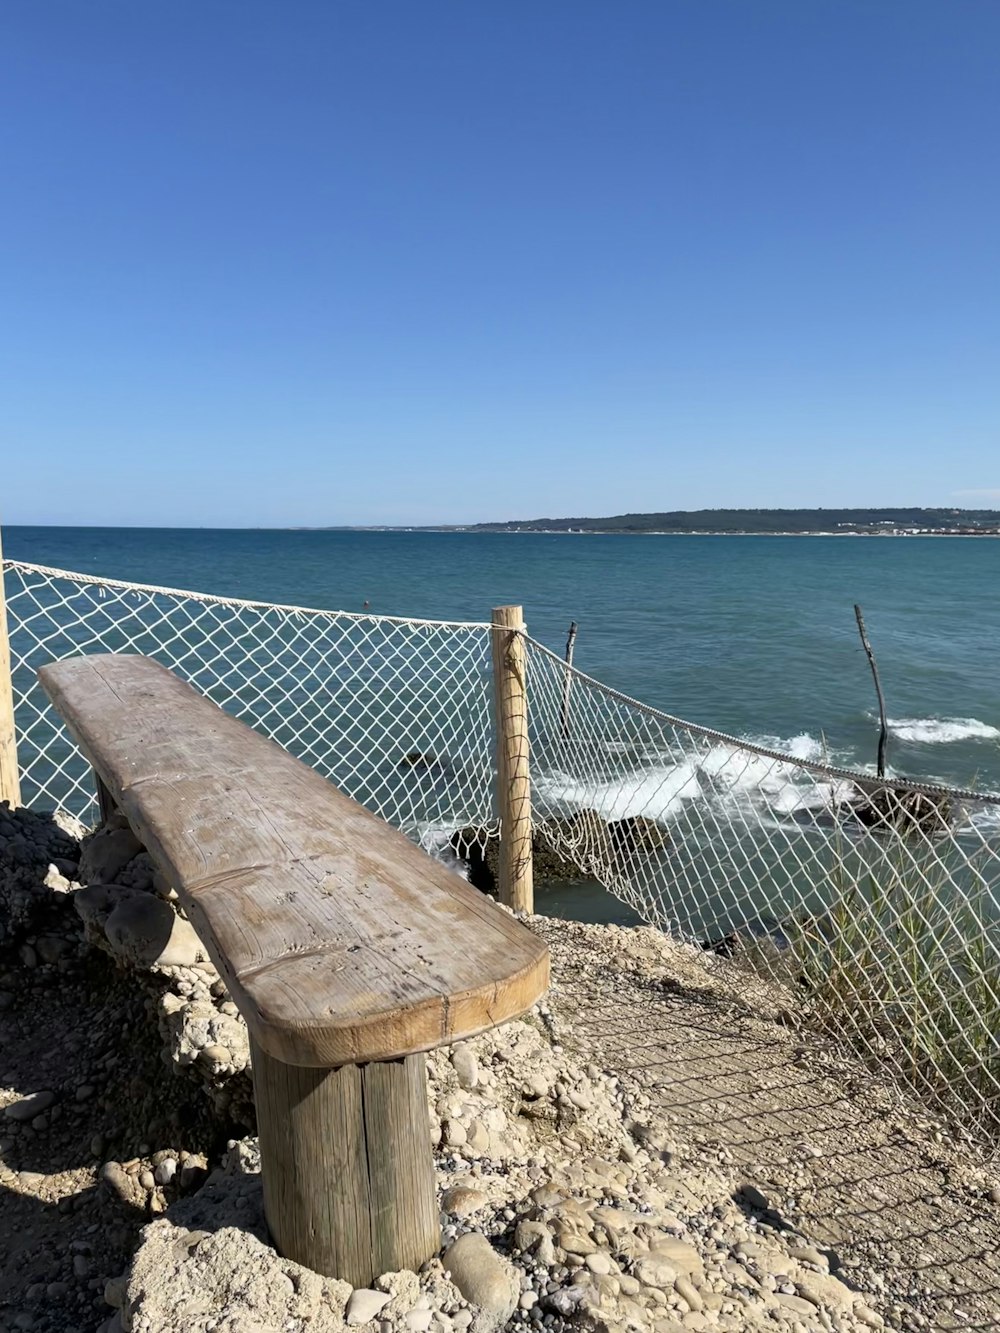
[{"x": 563, "y": 849}]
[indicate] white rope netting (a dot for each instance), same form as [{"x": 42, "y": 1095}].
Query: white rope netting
[
  {"x": 397, "y": 713},
  {"x": 874, "y": 905}
]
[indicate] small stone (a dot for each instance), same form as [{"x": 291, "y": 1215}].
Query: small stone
[
  {"x": 165, "y": 1171},
  {"x": 418, "y": 1321},
  {"x": 462, "y": 1200},
  {"x": 55, "y": 1290},
  {"x": 28, "y": 1107},
  {"x": 484, "y": 1278},
  {"x": 477, "y": 1137},
  {"x": 365, "y": 1304},
  {"x": 148, "y": 1181},
  {"x": 51, "y": 947},
  {"x": 81, "y": 1266},
  {"x": 688, "y": 1292},
  {"x": 84, "y": 1092},
  {"x": 465, "y": 1066},
  {"x": 751, "y": 1197},
  {"x": 599, "y": 1262},
  {"x": 454, "y": 1134},
  {"x": 995, "y": 1194},
  {"x": 868, "y": 1317}
]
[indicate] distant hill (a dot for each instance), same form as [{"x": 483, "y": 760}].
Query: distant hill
[{"x": 866, "y": 521}]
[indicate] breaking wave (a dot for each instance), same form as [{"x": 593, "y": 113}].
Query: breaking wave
[{"x": 942, "y": 730}]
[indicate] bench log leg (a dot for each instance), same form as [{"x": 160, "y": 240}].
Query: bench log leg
[{"x": 347, "y": 1166}]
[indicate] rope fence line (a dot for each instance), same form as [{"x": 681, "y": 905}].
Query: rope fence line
[
  {"x": 396, "y": 712},
  {"x": 872, "y": 905}
]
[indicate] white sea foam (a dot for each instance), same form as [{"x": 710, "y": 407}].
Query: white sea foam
[
  {"x": 942, "y": 730},
  {"x": 723, "y": 774}
]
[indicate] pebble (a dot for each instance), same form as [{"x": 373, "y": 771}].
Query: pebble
[
  {"x": 484, "y": 1277},
  {"x": 164, "y": 1173},
  {"x": 365, "y": 1304},
  {"x": 28, "y": 1107},
  {"x": 462, "y": 1200},
  {"x": 466, "y": 1066},
  {"x": 599, "y": 1262}
]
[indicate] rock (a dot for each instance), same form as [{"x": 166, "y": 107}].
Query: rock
[
  {"x": 477, "y": 1137},
  {"x": 485, "y": 1280},
  {"x": 868, "y": 1317},
  {"x": 461, "y": 1200},
  {"x": 599, "y": 1262},
  {"x": 106, "y": 853},
  {"x": 365, "y": 1304},
  {"x": 751, "y": 1197},
  {"x": 682, "y": 1256},
  {"x": 688, "y": 1292},
  {"x": 466, "y": 1066},
  {"x": 51, "y": 948},
  {"x": 165, "y": 1171},
  {"x": 454, "y": 1134},
  {"x": 28, "y": 1107},
  {"x": 147, "y": 932}
]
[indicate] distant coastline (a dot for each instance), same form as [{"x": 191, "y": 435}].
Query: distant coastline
[{"x": 884, "y": 522}]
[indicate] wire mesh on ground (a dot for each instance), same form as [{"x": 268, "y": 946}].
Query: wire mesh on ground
[
  {"x": 397, "y": 713},
  {"x": 873, "y": 904}
]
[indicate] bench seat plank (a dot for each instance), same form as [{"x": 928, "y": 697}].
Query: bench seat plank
[{"x": 339, "y": 940}]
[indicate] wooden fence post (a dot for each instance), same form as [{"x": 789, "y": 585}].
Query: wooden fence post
[
  {"x": 513, "y": 776},
  {"x": 10, "y": 783}
]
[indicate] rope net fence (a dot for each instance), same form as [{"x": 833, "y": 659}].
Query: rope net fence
[
  {"x": 397, "y": 713},
  {"x": 873, "y": 904}
]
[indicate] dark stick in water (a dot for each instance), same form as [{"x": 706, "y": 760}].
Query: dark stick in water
[
  {"x": 883, "y": 726},
  {"x": 571, "y": 640}
]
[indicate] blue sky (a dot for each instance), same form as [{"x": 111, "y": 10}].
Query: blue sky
[{"x": 384, "y": 261}]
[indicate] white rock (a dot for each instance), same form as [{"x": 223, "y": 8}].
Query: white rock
[
  {"x": 165, "y": 1172},
  {"x": 466, "y": 1066},
  {"x": 484, "y": 1278},
  {"x": 365, "y": 1304}
]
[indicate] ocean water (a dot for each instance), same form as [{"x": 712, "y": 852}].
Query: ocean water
[{"x": 754, "y": 636}]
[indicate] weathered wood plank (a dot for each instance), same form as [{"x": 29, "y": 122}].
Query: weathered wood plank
[{"x": 340, "y": 941}]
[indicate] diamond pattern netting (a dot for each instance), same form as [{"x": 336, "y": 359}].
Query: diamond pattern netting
[
  {"x": 875, "y": 905},
  {"x": 397, "y": 713}
]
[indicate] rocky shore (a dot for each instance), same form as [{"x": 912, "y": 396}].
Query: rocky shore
[{"x": 594, "y": 1168}]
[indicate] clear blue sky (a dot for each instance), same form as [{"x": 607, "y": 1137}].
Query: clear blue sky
[{"x": 423, "y": 261}]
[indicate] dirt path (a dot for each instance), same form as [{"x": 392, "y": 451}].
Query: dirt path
[{"x": 911, "y": 1212}]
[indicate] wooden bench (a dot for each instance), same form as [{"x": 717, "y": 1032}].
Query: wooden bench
[{"x": 348, "y": 951}]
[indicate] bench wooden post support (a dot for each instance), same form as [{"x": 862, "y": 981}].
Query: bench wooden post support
[
  {"x": 10, "y": 782},
  {"x": 513, "y": 776},
  {"x": 347, "y": 1166}
]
